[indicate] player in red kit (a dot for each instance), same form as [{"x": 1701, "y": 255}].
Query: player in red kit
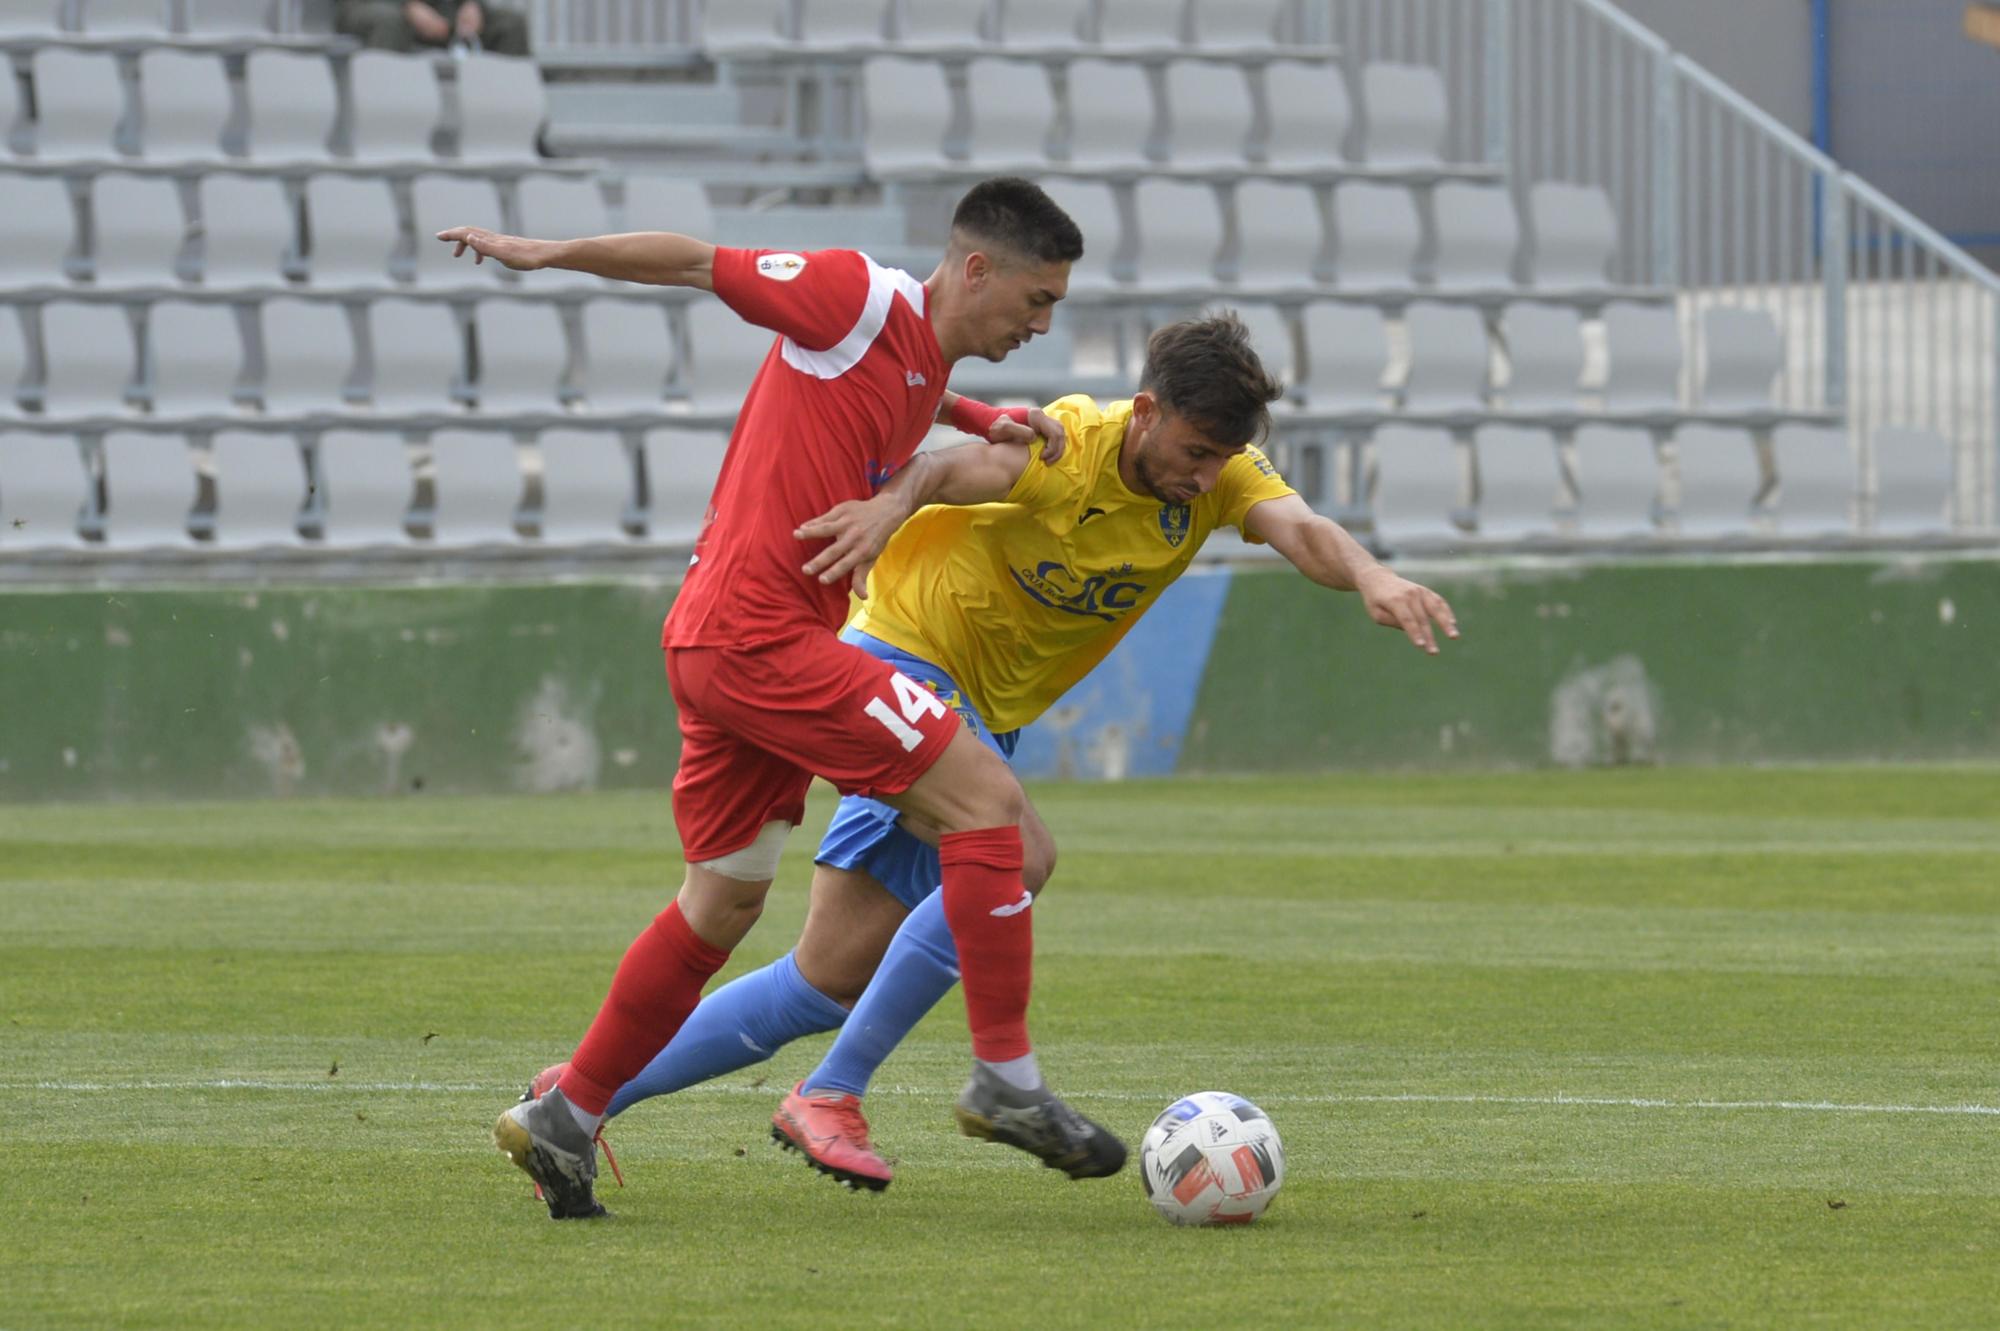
[{"x": 768, "y": 696}]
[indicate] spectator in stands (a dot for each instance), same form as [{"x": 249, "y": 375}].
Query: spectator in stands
[{"x": 405, "y": 25}]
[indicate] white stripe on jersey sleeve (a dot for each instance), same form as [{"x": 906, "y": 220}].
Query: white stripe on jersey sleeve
[{"x": 884, "y": 285}]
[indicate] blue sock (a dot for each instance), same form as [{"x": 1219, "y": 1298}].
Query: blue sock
[
  {"x": 743, "y": 1022},
  {"x": 920, "y": 968}
]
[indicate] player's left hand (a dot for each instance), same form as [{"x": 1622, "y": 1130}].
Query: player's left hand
[
  {"x": 858, "y": 529},
  {"x": 1395, "y": 602},
  {"x": 1040, "y": 425}
]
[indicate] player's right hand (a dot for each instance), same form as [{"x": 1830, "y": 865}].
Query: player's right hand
[
  {"x": 857, "y": 530},
  {"x": 516, "y": 252}
]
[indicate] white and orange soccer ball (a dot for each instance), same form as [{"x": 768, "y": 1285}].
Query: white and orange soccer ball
[{"x": 1211, "y": 1159}]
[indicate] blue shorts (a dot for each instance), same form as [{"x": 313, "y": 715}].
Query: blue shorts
[{"x": 864, "y": 833}]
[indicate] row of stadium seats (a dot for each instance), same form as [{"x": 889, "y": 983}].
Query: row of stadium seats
[
  {"x": 283, "y": 106},
  {"x": 123, "y": 18},
  {"x": 356, "y": 488},
  {"x": 865, "y": 24},
  {"x": 225, "y": 228},
  {"x": 1192, "y": 114}
]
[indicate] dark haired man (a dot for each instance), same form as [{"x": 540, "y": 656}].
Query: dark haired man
[
  {"x": 999, "y": 609},
  {"x": 767, "y": 696}
]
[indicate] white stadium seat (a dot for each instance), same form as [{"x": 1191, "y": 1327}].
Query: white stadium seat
[
  {"x": 478, "y": 487},
  {"x": 667, "y": 203},
  {"x": 1618, "y": 481},
  {"x": 88, "y": 355},
  {"x": 364, "y": 481},
  {"x": 138, "y": 230},
  {"x": 1180, "y": 232},
  {"x": 1422, "y": 483},
  {"x": 1347, "y": 354},
  {"x": 1449, "y": 358},
  {"x": 351, "y": 229},
  {"x": 1282, "y": 237},
  {"x": 1817, "y": 479},
  {"x": 43, "y": 486},
  {"x": 1224, "y": 24},
  {"x": 1111, "y": 112},
  {"x": 79, "y": 100},
  {"x": 1721, "y": 481},
  {"x": 1742, "y": 352},
  {"x": 586, "y": 485},
  {"x": 149, "y": 486},
  {"x": 13, "y": 359},
  {"x": 37, "y": 228},
  {"x": 1478, "y": 235},
  {"x": 395, "y": 105},
  {"x": 941, "y": 21},
  {"x": 229, "y": 17},
  {"x": 1574, "y": 235},
  {"x": 1271, "y": 336},
  {"x": 1913, "y": 479},
  {"x": 184, "y": 103},
  {"x": 248, "y": 228},
  {"x": 418, "y": 355},
  {"x": 1141, "y": 23},
  {"x": 1094, "y": 208},
  {"x": 1042, "y": 22},
  {"x": 501, "y": 107},
  {"x": 842, "y": 22},
  {"x": 1520, "y": 489},
  {"x": 681, "y": 467},
  {"x": 1643, "y": 346},
  {"x": 440, "y": 201},
  {"x": 1544, "y": 345},
  {"x": 753, "y": 22},
  {"x": 628, "y": 355},
  {"x": 122, "y": 18},
  {"x": 293, "y": 103},
  {"x": 308, "y": 355},
  {"x": 1013, "y": 112},
  {"x": 10, "y": 99},
  {"x": 196, "y": 356},
  {"x": 523, "y": 355},
  {"x": 1376, "y": 234},
  {"x": 260, "y": 484},
  {"x": 907, "y": 106},
  {"x": 724, "y": 355},
  {"x": 20, "y": 18},
  {"x": 1310, "y": 112},
  {"x": 1407, "y": 114},
  {"x": 1209, "y": 112}
]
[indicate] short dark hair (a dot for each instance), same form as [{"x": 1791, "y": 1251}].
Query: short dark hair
[
  {"x": 1017, "y": 216},
  {"x": 1206, "y": 370}
]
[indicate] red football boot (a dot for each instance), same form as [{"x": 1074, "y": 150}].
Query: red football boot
[{"x": 830, "y": 1132}]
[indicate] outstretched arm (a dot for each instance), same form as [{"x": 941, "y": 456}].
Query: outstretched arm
[
  {"x": 859, "y": 529},
  {"x": 1321, "y": 549},
  {"x": 658, "y": 258}
]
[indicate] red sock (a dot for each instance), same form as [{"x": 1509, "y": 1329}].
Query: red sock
[
  {"x": 986, "y": 907},
  {"x": 657, "y": 985}
]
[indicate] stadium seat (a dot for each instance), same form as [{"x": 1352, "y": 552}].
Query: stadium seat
[
  {"x": 587, "y": 486},
  {"x": 561, "y": 208},
  {"x": 37, "y": 229},
  {"x": 1721, "y": 481},
  {"x": 1271, "y": 335},
  {"x": 1013, "y": 113},
  {"x": 1406, "y": 114},
  {"x": 43, "y": 486},
  {"x": 1519, "y": 476},
  {"x": 364, "y": 481},
  {"x": 1574, "y": 234},
  {"x": 260, "y": 483},
  {"x": 478, "y": 487},
  {"x": 10, "y": 99},
  {"x": 184, "y": 103},
  {"x": 523, "y": 355},
  {"x": 1180, "y": 232},
  {"x": 1643, "y": 347},
  {"x": 746, "y": 22},
  {"x": 1110, "y": 113},
  {"x": 628, "y": 355},
  {"x": 122, "y": 18},
  {"x": 843, "y": 22},
  {"x": 907, "y": 106},
  {"x": 1141, "y": 23},
  {"x": 1042, "y": 22},
  {"x": 22, "y": 18},
  {"x": 13, "y": 360},
  {"x": 1095, "y": 210},
  {"x": 1618, "y": 481},
  {"x": 1209, "y": 113},
  {"x": 1347, "y": 354},
  {"x": 418, "y": 355},
  {"x": 1817, "y": 479},
  {"x": 196, "y": 356},
  {"x": 1227, "y": 24},
  {"x": 939, "y": 22},
  {"x": 439, "y": 201},
  {"x": 724, "y": 354},
  {"x": 1281, "y": 235},
  {"x": 293, "y": 105},
  {"x": 149, "y": 486},
  {"x": 1544, "y": 345},
  {"x": 1450, "y": 358},
  {"x": 1376, "y": 236},
  {"x": 88, "y": 358},
  {"x": 1421, "y": 483},
  {"x": 248, "y": 229},
  {"x": 137, "y": 231},
  {"x": 1913, "y": 481},
  {"x": 351, "y": 230},
  {"x": 79, "y": 100},
  {"x": 229, "y": 17},
  {"x": 501, "y": 107},
  {"x": 1478, "y": 236},
  {"x": 394, "y": 105},
  {"x": 681, "y": 467},
  {"x": 1742, "y": 353},
  {"x": 1310, "y": 112},
  {"x": 308, "y": 355},
  {"x": 667, "y": 203}
]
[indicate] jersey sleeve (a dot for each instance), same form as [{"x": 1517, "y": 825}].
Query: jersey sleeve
[
  {"x": 1042, "y": 486},
  {"x": 1247, "y": 480},
  {"x": 815, "y": 298}
]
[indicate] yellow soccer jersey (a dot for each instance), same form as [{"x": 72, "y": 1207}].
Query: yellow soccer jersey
[{"x": 1018, "y": 600}]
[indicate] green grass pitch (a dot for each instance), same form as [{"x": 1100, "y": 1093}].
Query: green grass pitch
[{"x": 1645, "y": 1048}]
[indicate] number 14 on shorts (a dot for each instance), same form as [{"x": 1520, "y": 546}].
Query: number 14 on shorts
[{"x": 916, "y": 702}]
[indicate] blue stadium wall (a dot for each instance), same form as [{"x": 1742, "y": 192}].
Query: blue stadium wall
[{"x": 304, "y": 691}]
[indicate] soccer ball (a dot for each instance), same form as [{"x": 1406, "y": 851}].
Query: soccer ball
[{"x": 1211, "y": 1159}]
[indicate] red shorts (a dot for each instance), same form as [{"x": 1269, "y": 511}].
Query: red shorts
[{"x": 759, "y": 723}]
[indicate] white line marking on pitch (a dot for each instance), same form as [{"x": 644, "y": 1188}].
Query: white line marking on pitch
[{"x": 1548, "y": 1101}]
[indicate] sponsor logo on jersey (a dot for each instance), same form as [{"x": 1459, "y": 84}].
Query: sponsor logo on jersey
[
  {"x": 1174, "y": 522},
  {"x": 1092, "y": 512},
  {"x": 913, "y": 379},
  {"x": 1097, "y": 596},
  {"x": 781, "y": 267},
  {"x": 878, "y": 474},
  {"x": 1260, "y": 462}
]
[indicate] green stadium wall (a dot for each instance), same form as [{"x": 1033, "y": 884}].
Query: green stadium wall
[{"x": 191, "y": 692}]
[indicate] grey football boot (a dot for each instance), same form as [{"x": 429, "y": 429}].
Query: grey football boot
[
  {"x": 1038, "y": 1123},
  {"x": 544, "y": 1140}
]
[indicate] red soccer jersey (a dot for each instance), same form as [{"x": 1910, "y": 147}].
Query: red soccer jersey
[{"x": 847, "y": 393}]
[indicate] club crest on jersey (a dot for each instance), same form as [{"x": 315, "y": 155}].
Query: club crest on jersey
[
  {"x": 1096, "y": 596},
  {"x": 1174, "y": 520},
  {"x": 781, "y": 267}
]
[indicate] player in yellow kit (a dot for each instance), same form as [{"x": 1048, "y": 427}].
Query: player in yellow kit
[{"x": 1006, "y": 580}]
